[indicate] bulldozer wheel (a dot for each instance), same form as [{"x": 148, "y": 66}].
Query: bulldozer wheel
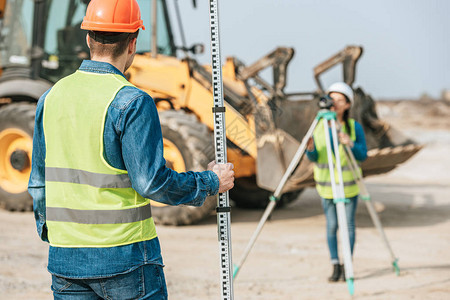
[
  {"x": 246, "y": 194},
  {"x": 188, "y": 145},
  {"x": 16, "y": 142}
]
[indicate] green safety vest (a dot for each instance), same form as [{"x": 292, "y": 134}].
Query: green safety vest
[
  {"x": 89, "y": 203},
  {"x": 322, "y": 171}
]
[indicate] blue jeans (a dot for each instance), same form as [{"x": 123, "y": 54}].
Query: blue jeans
[
  {"x": 329, "y": 209},
  {"x": 146, "y": 282}
]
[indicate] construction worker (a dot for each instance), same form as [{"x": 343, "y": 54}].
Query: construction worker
[
  {"x": 97, "y": 159},
  {"x": 351, "y": 134}
]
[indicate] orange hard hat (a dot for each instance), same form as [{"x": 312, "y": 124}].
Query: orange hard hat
[{"x": 113, "y": 16}]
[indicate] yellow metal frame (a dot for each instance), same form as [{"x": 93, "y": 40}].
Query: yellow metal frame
[{"x": 168, "y": 78}]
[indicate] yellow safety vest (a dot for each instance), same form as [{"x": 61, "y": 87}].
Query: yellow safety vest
[
  {"x": 321, "y": 169},
  {"x": 89, "y": 203}
]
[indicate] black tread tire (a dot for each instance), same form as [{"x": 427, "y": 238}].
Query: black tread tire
[
  {"x": 195, "y": 142},
  {"x": 21, "y": 116},
  {"x": 246, "y": 194}
]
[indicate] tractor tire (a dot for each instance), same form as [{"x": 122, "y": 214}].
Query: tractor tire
[
  {"x": 193, "y": 141},
  {"x": 247, "y": 194},
  {"x": 16, "y": 142}
]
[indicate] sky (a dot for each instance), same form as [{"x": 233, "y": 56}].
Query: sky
[{"x": 406, "y": 42}]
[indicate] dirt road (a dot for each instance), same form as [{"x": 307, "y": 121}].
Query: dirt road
[{"x": 290, "y": 258}]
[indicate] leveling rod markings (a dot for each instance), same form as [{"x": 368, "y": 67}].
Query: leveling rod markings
[{"x": 223, "y": 203}]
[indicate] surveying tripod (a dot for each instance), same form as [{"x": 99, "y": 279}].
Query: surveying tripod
[
  {"x": 365, "y": 196},
  {"x": 338, "y": 193}
]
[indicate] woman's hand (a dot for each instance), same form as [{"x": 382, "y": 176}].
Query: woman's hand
[
  {"x": 310, "y": 145},
  {"x": 345, "y": 139}
]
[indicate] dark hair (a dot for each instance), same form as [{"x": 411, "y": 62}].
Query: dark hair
[
  {"x": 111, "y": 44},
  {"x": 345, "y": 116}
]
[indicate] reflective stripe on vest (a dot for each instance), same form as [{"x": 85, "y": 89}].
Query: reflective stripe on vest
[
  {"x": 89, "y": 203},
  {"x": 89, "y": 178},
  {"x": 328, "y": 183},
  {"x": 99, "y": 216},
  {"x": 321, "y": 170},
  {"x": 325, "y": 166}
]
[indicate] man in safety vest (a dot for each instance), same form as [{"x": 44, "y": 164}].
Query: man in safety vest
[{"x": 97, "y": 159}]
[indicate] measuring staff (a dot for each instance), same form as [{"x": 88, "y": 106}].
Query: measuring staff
[{"x": 220, "y": 139}]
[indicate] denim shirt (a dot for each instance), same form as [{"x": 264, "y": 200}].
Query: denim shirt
[
  {"x": 359, "y": 148},
  {"x": 133, "y": 142}
]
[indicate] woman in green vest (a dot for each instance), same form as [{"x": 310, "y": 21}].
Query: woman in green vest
[{"x": 351, "y": 134}]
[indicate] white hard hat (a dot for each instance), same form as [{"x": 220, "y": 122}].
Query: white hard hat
[{"x": 343, "y": 88}]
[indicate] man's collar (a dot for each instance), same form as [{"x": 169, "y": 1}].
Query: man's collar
[{"x": 99, "y": 67}]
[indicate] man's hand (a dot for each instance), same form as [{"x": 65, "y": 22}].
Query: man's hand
[{"x": 225, "y": 173}]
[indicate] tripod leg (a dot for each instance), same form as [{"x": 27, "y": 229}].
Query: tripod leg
[
  {"x": 255, "y": 235},
  {"x": 339, "y": 198},
  {"x": 370, "y": 207},
  {"x": 296, "y": 159},
  {"x": 292, "y": 165}
]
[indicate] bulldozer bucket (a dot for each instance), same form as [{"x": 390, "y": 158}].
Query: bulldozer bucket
[{"x": 275, "y": 151}]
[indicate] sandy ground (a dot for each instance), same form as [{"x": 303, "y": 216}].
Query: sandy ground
[{"x": 290, "y": 258}]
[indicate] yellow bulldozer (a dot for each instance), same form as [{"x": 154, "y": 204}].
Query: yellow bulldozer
[{"x": 41, "y": 42}]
